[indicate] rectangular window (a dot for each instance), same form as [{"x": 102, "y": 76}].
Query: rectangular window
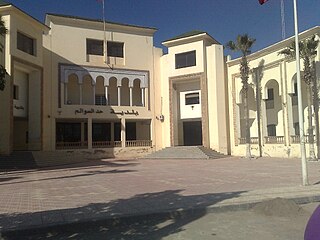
[
  {"x": 94, "y": 47},
  {"x": 272, "y": 130},
  {"x": 295, "y": 87},
  {"x": 187, "y": 59},
  {"x": 270, "y": 100},
  {"x": 115, "y": 49},
  {"x": 270, "y": 94},
  {"x": 16, "y": 92},
  {"x": 294, "y": 98},
  {"x": 192, "y": 98},
  {"x": 68, "y": 132},
  {"x": 26, "y": 44},
  {"x": 101, "y": 100}
]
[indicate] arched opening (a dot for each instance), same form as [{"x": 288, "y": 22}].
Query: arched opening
[
  {"x": 136, "y": 93},
  {"x": 73, "y": 90},
  {"x": 113, "y": 92},
  {"x": 100, "y": 95},
  {"x": 125, "y": 92},
  {"x": 274, "y": 132},
  {"x": 87, "y": 91}
]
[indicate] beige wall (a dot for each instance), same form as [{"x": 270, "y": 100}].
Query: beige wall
[{"x": 277, "y": 73}]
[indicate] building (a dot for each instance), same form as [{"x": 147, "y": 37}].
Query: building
[{"x": 77, "y": 84}]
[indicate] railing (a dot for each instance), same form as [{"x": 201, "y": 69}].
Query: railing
[
  {"x": 296, "y": 139},
  {"x": 71, "y": 145},
  {"x": 139, "y": 143},
  {"x": 274, "y": 139},
  {"x": 253, "y": 140},
  {"x": 106, "y": 144}
]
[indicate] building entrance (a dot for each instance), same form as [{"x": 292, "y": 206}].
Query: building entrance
[{"x": 192, "y": 133}]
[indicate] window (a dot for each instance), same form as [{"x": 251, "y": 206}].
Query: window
[
  {"x": 68, "y": 132},
  {"x": 101, "y": 100},
  {"x": 192, "y": 98},
  {"x": 186, "y": 59},
  {"x": 270, "y": 100},
  {"x": 115, "y": 49},
  {"x": 295, "y": 87},
  {"x": 26, "y": 44},
  {"x": 272, "y": 130},
  {"x": 15, "y": 92},
  {"x": 295, "y": 95},
  {"x": 270, "y": 94},
  {"x": 94, "y": 47},
  {"x": 101, "y": 132}
]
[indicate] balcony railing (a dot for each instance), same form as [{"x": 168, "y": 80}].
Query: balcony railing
[
  {"x": 139, "y": 143},
  {"x": 274, "y": 139},
  {"x": 296, "y": 139},
  {"x": 253, "y": 140},
  {"x": 71, "y": 145},
  {"x": 106, "y": 144}
]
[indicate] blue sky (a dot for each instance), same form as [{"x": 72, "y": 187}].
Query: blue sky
[{"x": 222, "y": 19}]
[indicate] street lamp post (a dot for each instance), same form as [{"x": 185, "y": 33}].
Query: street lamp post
[{"x": 300, "y": 109}]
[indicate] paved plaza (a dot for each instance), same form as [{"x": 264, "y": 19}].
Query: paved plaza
[{"x": 109, "y": 188}]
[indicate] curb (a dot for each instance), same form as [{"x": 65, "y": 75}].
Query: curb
[{"x": 167, "y": 213}]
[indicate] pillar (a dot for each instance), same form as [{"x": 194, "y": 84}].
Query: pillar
[
  {"x": 142, "y": 97},
  {"x": 65, "y": 85},
  {"x": 106, "y": 95},
  {"x": 89, "y": 133},
  {"x": 130, "y": 97},
  {"x": 82, "y": 132},
  {"x": 123, "y": 132},
  {"x": 119, "y": 95}
]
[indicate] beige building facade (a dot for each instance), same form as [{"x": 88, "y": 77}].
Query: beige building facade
[{"x": 77, "y": 84}]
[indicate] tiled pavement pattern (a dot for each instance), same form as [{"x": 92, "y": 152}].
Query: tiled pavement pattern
[{"x": 110, "y": 188}]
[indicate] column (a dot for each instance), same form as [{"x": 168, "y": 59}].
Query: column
[
  {"x": 106, "y": 95},
  {"x": 119, "y": 95},
  {"x": 123, "y": 132},
  {"x": 82, "y": 132},
  {"x": 142, "y": 97},
  {"x": 130, "y": 97},
  {"x": 80, "y": 89},
  {"x": 89, "y": 133},
  {"x": 65, "y": 85},
  {"x": 263, "y": 120}
]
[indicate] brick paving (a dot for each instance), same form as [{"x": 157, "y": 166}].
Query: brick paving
[{"x": 117, "y": 187}]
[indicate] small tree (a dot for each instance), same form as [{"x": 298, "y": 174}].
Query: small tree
[
  {"x": 3, "y": 31},
  {"x": 308, "y": 50},
  {"x": 243, "y": 44}
]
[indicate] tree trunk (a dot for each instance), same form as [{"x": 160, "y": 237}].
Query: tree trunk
[
  {"x": 246, "y": 110},
  {"x": 310, "y": 127}
]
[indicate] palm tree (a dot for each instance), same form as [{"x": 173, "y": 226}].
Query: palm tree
[
  {"x": 243, "y": 44},
  {"x": 308, "y": 50},
  {"x": 3, "y": 31}
]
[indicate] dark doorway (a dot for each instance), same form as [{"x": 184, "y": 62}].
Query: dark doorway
[{"x": 192, "y": 133}]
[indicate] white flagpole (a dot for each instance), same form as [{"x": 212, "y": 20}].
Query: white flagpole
[
  {"x": 300, "y": 109},
  {"x": 104, "y": 33}
]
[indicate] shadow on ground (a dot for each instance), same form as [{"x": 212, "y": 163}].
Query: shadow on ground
[
  {"x": 85, "y": 167},
  {"x": 147, "y": 216}
]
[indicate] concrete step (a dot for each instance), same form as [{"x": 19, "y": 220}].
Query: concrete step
[{"x": 185, "y": 152}]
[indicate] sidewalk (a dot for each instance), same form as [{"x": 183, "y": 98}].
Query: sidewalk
[{"x": 129, "y": 187}]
